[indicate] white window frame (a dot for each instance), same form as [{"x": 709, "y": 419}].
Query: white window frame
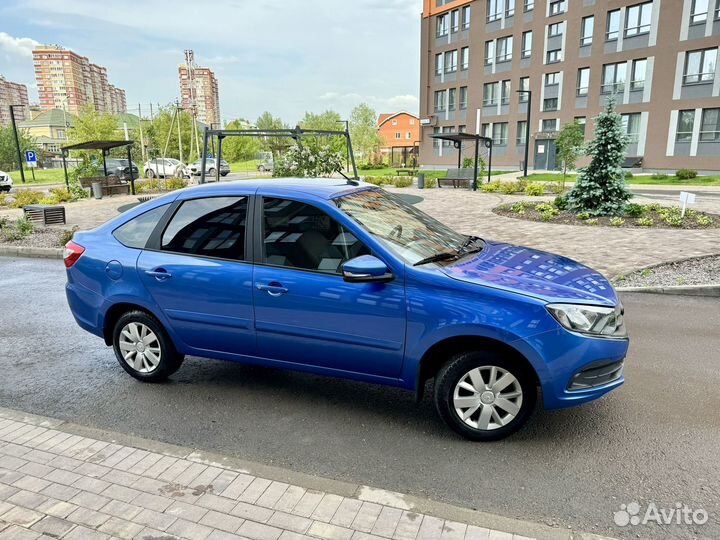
[{"x": 643, "y": 20}]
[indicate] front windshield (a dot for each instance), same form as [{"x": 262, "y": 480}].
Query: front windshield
[{"x": 411, "y": 234}]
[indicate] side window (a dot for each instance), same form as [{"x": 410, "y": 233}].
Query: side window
[
  {"x": 298, "y": 235},
  {"x": 213, "y": 227},
  {"x": 136, "y": 232}
]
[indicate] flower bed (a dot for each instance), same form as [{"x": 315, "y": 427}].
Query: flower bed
[{"x": 636, "y": 216}]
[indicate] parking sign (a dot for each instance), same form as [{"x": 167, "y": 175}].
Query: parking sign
[{"x": 31, "y": 158}]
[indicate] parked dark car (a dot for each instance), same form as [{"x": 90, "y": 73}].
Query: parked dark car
[{"x": 119, "y": 169}]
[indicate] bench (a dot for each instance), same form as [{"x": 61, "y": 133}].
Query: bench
[
  {"x": 409, "y": 172},
  {"x": 110, "y": 185},
  {"x": 458, "y": 177}
]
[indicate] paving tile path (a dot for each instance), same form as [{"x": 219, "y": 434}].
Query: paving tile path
[{"x": 56, "y": 484}]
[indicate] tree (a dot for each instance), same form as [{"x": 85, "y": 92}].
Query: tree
[
  {"x": 162, "y": 135},
  {"x": 8, "y": 150},
  {"x": 600, "y": 189},
  {"x": 240, "y": 148},
  {"x": 569, "y": 147},
  {"x": 267, "y": 121},
  {"x": 302, "y": 160},
  {"x": 325, "y": 121},
  {"x": 364, "y": 132},
  {"x": 91, "y": 125}
]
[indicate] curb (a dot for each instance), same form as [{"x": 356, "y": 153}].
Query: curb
[
  {"x": 679, "y": 290},
  {"x": 32, "y": 252},
  {"x": 346, "y": 489}
]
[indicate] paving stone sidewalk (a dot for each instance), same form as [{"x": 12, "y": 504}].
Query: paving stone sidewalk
[{"x": 56, "y": 484}]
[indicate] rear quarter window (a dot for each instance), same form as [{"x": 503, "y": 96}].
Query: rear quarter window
[{"x": 136, "y": 232}]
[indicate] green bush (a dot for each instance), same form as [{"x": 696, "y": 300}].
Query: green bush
[
  {"x": 535, "y": 189},
  {"x": 634, "y": 210},
  {"x": 66, "y": 236},
  {"x": 61, "y": 194},
  {"x": 659, "y": 176},
  {"x": 628, "y": 175},
  {"x": 25, "y": 226},
  {"x": 583, "y": 216},
  {"x": 402, "y": 181},
  {"x": 24, "y": 197},
  {"x": 509, "y": 187},
  {"x": 431, "y": 183},
  {"x": 519, "y": 207},
  {"x": 654, "y": 207},
  {"x": 554, "y": 187},
  {"x": 686, "y": 174},
  {"x": 703, "y": 220},
  {"x": 560, "y": 202},
  {"x": 17, "y": 230},
  {"x": 376, "y": 180},
  {"x": 617, "y": 222},
  {"x": 644, "y": 222},
  {"x": 592, "y": 221},
  {"x": 491, "y": 187},
  {"x": 365, "y": 166}
]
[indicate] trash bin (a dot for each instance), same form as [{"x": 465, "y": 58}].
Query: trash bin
[
  {"x": 421, "y": 180},
  {"x": 97, "y": 190}
]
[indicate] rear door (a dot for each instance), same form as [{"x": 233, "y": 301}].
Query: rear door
[{"x": 197, "y": 270}]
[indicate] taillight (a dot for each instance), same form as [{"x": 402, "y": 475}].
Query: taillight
[{"x": 72, "y": 253}]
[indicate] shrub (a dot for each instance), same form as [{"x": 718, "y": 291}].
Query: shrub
[
  {"x": 519, "y": 207},
  {"x": 535, "y": 189},
  {"x": 659, "y": 176},
  {"x": 375, "y": 180},
  {"x": 431, "y": 183},
  {"x": 67, "y": 235},
  {"x": 2, "y": 200},
  {"x": 402, "y": 181},
  {"x": 61, "y": 195},
  {"x": 672, "y": 216},
  {"x": 617, "y": 222},
  {"x": 592, "y": 221},
  {"x": 27, "y": 196},
  {"x": 629, "y": 175},
  {"x": 509, "y": 187},
  {"x": 365, "y": 166},
  {"x": 491, "y": 187},
  {"x": 308, "y": 162},
  {"x": 703, "y": 220},
  {"x": 686, "y": 174},
  {"x": 560, "y": 202},
  {"x": 654, "y": 207},
  {"x": 634, "y": 210},
  {"x": 583, "y": 216},
  {"x": 544, "y": 207},
  {"x": 17, "y": 230},
  {"x": 644, "y": 222},
  {"x": 554, "y": 187}
]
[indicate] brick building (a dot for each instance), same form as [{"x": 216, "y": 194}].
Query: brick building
[{"x": 13, "y": 94}]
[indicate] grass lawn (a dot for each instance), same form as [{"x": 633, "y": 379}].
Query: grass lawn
[
  {"x": 636, "y": 180},
  {"x": 249, "y": 165},
  {"x": 42, "y": 176},
  {"x": 429, "y": 173}
]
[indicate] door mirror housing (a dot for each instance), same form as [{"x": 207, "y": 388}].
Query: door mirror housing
[{"x": 366, "y": 269}]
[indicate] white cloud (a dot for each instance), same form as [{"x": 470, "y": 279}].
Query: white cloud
[
  {"x": 17, "y": 46},
  {"x": 406, "y": 102}
]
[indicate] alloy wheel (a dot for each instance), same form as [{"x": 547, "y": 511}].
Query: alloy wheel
[
  {"x": 140, "y": 347},
  {"x": 487, "y": 398}
]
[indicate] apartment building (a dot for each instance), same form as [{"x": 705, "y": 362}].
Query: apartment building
[
  {"x": 400, "y": 134},
  {"x": 69, "y": 81},
  {"x": 658, "y": 59},
  {"x": 199, "y": 90},
  {"x": 13, "y": 94}
]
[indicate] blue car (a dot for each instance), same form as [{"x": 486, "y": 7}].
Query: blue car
[{"x": 344, "y": 279}]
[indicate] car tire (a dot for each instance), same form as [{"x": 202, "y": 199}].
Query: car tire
[
  {"x": 211, "y": 172},
  {"x": 150, "y": 173},
  {"x": 261, "y": 169},
  {"x": 156, "y": 359},
  {"x": 491, "y": 413}
]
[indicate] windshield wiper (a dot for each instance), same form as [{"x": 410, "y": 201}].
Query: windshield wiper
[
  {"x": 466, "y": 248},
  {"x": 437, "y": 257}
]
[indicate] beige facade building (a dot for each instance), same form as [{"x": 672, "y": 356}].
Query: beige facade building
[
  {"x": 199, "y": 89},
  {"x": 658, "y": 58},
  {"x": 69, "y": 81},
  {"x": 13, "y": 94}
]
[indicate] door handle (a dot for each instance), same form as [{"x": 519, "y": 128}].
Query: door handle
[
  {"x": 159, "y": 273},
  {"x": 273, "y": 289}
]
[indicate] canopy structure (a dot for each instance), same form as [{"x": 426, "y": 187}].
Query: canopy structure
[
  {"x": 105, "y": 146},
  {"x": 458, "y": 138}
]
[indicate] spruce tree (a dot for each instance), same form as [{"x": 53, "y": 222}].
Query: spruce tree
[{"x": 600, "y": 189}]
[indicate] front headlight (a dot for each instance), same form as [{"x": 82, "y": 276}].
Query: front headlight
[{"x": 598, "y": 321}]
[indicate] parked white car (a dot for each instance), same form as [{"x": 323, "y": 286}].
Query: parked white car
[
  {"x": 5, "y": 181},
  {"x": 163, "y": 168}
]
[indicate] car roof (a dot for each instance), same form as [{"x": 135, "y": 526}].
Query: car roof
[{"x": 323, "y": 188}]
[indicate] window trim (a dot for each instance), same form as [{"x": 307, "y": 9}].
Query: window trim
[
  {"x": 704, "y": 14},
  {"x": 700, "y": 74},
  {"x": 561, "y": 3},
  {"x": 715, "y": 132},
  {"x": 640, "y": 29}
]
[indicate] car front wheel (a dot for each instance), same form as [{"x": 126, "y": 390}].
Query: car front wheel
[
  {"x": 143, "y": 348},
  {"x": 484, "y": 396},
  {"x": 150, "y": 173}
]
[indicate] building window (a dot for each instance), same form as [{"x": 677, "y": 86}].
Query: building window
[
  {"x": 436, "y": 142},
  {"x": 557, "y": 7},
  {"x": 521, "y": 133},
  {"x": 485, "y": 130},
  {"x": 438, "y": 64},
  {"x": 463, "y": 97},
  {"x": 552, "y": 78},
  {"x": 700, "y": 66},
  {"x": 440, "y": 101},
  {"x": 442, "y": 25},
  {"x": 490, "y": 94},
  {"x": 412, "y": 121},
  {"x": 528, "y": 5},
  {"x": 462, "y": 128},
  {"x": 631, "y": 122},
  {"x": 710, "y": 126},
  {"x": 489, "y": 52},
  {"x": 550, "y": 104},
  {"x": 505, "y": 93},
  {"x": 509, "y": 8},
  {"x": 586, "y": 30},
  {"x": 686, "y": 122},
  {"x": 452, "y": 95},
  {"x": 448, "y": 130},
  {"x": 465, "y": 58},
  {"x": 455, "y": 20},
  {"x": 717, "y": 11},
  {"x": 582, "y": 122},
  {"x": 583, "y": 81},
  {"x": 555, "y": 29},
  {"x": 451, "y": 61},
  {"x": 494, "y": 10},
  {"x": 524, "y": 87},
  {"x": 637, "y": 79},
  {"x": 504, "y": 49},
  {"x": 614, "y": 78},
  {"x": 554, "y": 56},
  {"x": 397, "y": 135},
  {"x": 526, "y": 44},
  {"x": 549, "y": 125},
  {"x": 408, "y": 135},
  {"x": 500, "y": 133},
  {"x": 638, "y": 19},
  {"x": 466, "y": 17},
  {"x": 699, "y": 11},
  {"x": 613, "y": 25}
]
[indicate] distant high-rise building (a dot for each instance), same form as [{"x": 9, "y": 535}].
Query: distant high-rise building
[
  {"x": 69, "y": 81},
  {"x": 13, "y": 94},
  {"x": 199, "y": 89}
]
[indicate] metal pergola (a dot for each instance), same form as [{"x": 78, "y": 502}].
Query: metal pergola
[
  {"x": 457, "y": 140},
  {"x": 296, "y": 134},
  {"x": 105, "y": 146}
]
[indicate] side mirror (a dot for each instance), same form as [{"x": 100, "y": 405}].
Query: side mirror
[{"x": 366, "y": 269}]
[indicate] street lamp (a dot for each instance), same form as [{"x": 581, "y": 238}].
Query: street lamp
[
  {"x": 17, "y": 140},
  {"x": 527, "y": 128}
]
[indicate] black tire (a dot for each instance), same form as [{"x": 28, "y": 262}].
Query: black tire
[
  {"x": 224, "y": 174},
  {"x": 211, "y": 172},
  {"x": 150, "y": 174},
  {"x": 458, "y": 368},
  {"x": 169, "y": 359}
]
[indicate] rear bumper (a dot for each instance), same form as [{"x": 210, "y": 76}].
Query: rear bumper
[{"x": 85, "y": 306}]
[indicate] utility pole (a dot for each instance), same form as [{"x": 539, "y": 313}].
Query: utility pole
[
  {"x": 177, "y": 112},
  {"x": 17, "y": 141},
  {"x": 527, "y": 128}
]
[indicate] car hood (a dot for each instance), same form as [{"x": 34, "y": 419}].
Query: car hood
[{"x": 534, "y": 273}]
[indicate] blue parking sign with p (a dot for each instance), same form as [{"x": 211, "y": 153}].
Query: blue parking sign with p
[{"x": 30, "y": 156}]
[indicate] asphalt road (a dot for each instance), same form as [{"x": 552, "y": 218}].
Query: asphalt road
[{"x": 657, "y": 439}]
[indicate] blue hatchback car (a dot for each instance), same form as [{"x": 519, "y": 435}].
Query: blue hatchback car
[{"x": 347, "y": 280}]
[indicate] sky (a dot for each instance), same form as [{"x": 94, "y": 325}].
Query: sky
[{"x": 284, "y": 56}]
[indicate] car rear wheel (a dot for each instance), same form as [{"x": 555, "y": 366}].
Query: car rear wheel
[
  {"x": 211, "y": 172},
  {"x": 143, "y": 348},
  {"x": 150, "y": 173},
  {"x": 484, "y": 396}
]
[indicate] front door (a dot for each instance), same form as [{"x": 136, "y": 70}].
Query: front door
[
  {"x": 305, "y": 313},
  {"x": 199, "y": 275},
  {"x": 545, "y": 155}
]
